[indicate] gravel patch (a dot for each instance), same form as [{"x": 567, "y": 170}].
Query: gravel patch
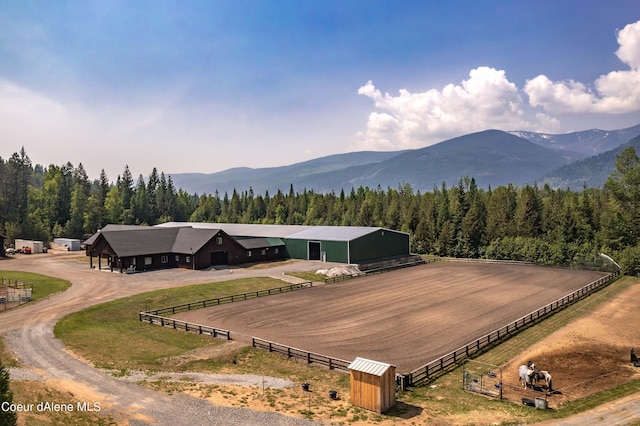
[
  {"x": 16, "y": 373},
  {"x": 207, "y": 378}
]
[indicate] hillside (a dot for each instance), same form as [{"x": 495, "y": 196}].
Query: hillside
[
  {"x": 582, "y": 144},
  {"x": 590, "y": 172},
  {"x": 492, "y": 157}
]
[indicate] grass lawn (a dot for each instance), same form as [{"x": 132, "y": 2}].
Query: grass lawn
[
  {"x": 43, "y": 285},
  {"x": 111, "y": 335}
]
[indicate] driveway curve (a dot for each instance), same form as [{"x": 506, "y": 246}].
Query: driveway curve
[{"x": 28, "y": 331}]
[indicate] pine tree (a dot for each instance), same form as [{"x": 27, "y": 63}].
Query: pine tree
[{"x": 8, "y": 418}]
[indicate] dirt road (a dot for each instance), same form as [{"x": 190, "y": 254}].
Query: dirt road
[{"x": 29, "y": 335}]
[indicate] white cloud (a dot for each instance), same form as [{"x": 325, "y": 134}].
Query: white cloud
[
  {"x": 617, "y": 92},
  {"x": 629, "y": 41},
  {"x": 487, "y": 99}
]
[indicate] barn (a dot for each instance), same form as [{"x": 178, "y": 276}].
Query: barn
[
  {"x": 141, "y": 248},
  {"x": 341, "y": 244},
  {"x": 202, "y": 245},
  {"x": 372, "y": 385}
]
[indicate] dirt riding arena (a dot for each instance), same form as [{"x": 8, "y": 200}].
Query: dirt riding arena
[{"x": 406, "y": 317}]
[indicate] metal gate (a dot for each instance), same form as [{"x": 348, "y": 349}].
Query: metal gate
[{"x": 482, "y": 378}]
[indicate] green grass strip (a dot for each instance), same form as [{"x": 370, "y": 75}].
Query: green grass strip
[
  {"x": 43, "y": 285},
  {"x": 111, "y": 335}
]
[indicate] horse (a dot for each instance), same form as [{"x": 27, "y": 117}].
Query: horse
[
  {"x": 544, "y": 375},
  {"x": 523, "y": 373}
]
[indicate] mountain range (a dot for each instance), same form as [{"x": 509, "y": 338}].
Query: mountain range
[{"x": 492, "y": 157}]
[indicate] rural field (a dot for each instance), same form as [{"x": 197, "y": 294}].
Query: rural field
[
  {"x": 406, "y": 317},
  {"x": 586, "y": 355}
]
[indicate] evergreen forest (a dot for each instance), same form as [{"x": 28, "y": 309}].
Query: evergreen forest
[{"x": 530, "y": 223}]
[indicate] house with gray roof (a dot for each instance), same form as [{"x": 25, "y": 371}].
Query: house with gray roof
[{"x": 141, "y": 248}]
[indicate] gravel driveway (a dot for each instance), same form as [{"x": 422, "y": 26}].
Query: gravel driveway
[{"x": 28, "y": 333}]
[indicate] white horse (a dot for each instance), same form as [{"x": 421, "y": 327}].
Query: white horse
[{"x": 525, "y": 377}]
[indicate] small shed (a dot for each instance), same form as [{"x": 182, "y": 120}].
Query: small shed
[
  {"x": 72, "y": 244},
  {"x": 373, "y": 384}
]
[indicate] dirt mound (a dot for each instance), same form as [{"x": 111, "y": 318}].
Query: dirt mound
[{"x": 338, "y": 271}]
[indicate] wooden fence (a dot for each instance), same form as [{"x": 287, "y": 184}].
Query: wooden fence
[
  {"x": 419, "y": 376},
  {"x": 227, "y": 299},
  {"x": 155, "y": 317},
  {"x": 185, "y": 326},
  {"x": 451, "y": 360},
  {"x": 309, "y": 357}
]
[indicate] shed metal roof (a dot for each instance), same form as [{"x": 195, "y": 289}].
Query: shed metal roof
[
  {"x": 333, "y": 233},
  {"x": 375, "y": 368},
  {"x": 302, "y": 232},
  {"x": 253, "y": 243},
  {"x": 242, "y": 229}
]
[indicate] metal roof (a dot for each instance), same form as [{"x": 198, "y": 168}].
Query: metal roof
[
  {"x": 253, "y": 243},
  {"x": 144, "y": 240},
  {"x": 375, "y": 368},
  {"x": 189, "y": 240},
  {"x": 112, "y": 227},
  {"x": 243, "y": 230},
  {"x": 302, "y": 232},
  {"x": 132, "y": 240},
  {"x": 333, "y": 233}
]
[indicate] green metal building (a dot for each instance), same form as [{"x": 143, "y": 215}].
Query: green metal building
[{"x": 341, "y": 244}]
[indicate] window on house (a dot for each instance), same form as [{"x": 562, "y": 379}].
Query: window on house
[
  {"x": 187, "y": 259},
  {"x": 133, "y": 261},
  {"x": 249, "y": 253},
  {"x": 177, "y": 258},
  {"x": 276, "y": 250},
  {"x": 148, "y": 261},
  {"x": 164, "y": 259},
  {"x": 264, "y": 252},
  {"x": 219, "y": 240}
]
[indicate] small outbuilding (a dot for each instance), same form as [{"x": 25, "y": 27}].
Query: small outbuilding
[
  {"x": 71, "y": 244},
  {"x": 373, "y": 385}
]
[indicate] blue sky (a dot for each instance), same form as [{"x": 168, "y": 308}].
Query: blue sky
[{"x": 202, "y": 86}]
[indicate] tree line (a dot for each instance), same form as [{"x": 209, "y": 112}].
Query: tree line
[{"x": 542, "y": 225}]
